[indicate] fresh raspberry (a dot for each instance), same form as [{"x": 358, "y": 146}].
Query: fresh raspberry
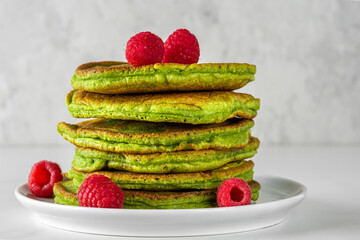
[
  {"x": 233, "y": 192},
  {"x": 99, "y": 191},
  {"x": 181, "y": 47},
  {"x": 42, "y": 177},
  {"x": 144, "y": 48}
]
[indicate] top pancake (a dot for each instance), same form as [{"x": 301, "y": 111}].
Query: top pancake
[{"x": 112, "y": 77}]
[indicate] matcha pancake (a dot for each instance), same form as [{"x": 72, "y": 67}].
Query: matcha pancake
[
  {"x": 172, "y": 181},
  {"x": 65, "y": 193},
  {"x": 90, "y": 160},
  {"x": 148, "y": 137},
  {"x": 188, "y": 107},
  {"x": 123, "y": 78}
]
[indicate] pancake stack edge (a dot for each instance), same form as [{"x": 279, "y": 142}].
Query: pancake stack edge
[{"x": 167, "y": 134}]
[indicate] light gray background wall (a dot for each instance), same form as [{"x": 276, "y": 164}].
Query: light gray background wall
[{"x": 306, "y": 52}]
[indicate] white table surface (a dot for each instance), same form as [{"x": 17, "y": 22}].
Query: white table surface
[{"x": 330, "y": 211}]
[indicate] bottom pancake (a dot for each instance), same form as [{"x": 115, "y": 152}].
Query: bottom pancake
[{"x": 65, "y": 193}]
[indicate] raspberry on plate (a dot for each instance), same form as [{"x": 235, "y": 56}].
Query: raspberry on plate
[
  {"x": 42, "y": 177},
  {"x": 233, "y": 192},
  {"x": 99, "y": 191},
  {"x": 181, "y": 47},
  {"x": 144, "y": 48}
]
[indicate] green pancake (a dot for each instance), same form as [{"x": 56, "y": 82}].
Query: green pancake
[
  {"x": 189, "y": 107},
  {"x": 122, "y": 78},
  {"x": 65, "y": 193},
  {"x": 172, "y": 181},
  {"x": 90, "y": 160},
  {"x": 148, "y": 137}
]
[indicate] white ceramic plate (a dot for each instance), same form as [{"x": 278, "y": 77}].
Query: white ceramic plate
[{"x": 277, "y": 197}]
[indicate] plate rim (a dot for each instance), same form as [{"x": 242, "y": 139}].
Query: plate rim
[{"x": 194, "y": 222}]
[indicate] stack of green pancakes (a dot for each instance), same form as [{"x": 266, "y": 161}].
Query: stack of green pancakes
[{"x": 167, "y": 134}]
